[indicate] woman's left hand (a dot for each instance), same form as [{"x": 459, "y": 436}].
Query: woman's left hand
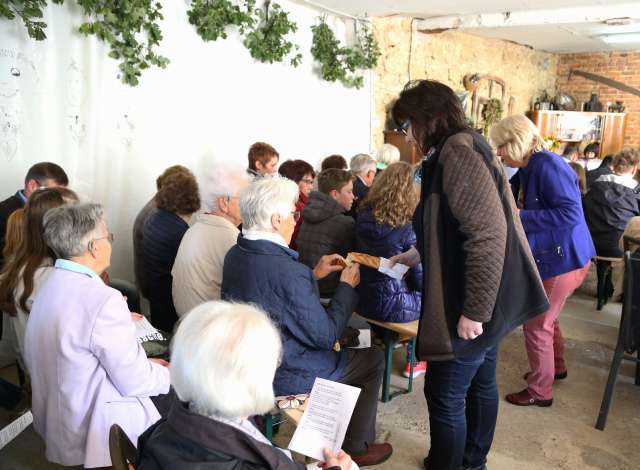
[{"x": 469, "y": 329}]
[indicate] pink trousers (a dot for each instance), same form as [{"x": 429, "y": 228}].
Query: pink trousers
[{"x": 543, "y": 338}]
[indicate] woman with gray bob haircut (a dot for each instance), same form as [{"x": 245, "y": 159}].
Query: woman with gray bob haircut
[
  {"x": 87, "y": 369},
  {"x": 224, "y": 357},
  {"x": 68, "y": 231}
]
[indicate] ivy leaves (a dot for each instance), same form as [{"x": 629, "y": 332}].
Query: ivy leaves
[
  {"x": 339, "y": 63},
  {"x": 131, "y": 29}
]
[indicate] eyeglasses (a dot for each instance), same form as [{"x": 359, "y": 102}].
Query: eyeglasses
[
  {"x": 404, "y": 127},
  {"x": 296, "y": 215},
  {"x": 109, "y": 236},
  {"x": 307, "y": 180}
]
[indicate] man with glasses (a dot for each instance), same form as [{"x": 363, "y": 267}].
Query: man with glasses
[{"x": 41, "y": 175}]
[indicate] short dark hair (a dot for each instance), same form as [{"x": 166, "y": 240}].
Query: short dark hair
[
  {"x": 261, "y": 152},
  {"x": 433, "y": 110},
  {"x": 607, "y": 162},
  {"x": 172, "y": 170},
  {"x": 179, "y": 194},
  {"x": 333, "y": 178},
  {"x": 334, "y": 161},
  {"x": 592, "y": 147},
  {"x": 570, "y": 149},
  {"x": 47, "y": 171},
  {"x": 296, "y": 170}
]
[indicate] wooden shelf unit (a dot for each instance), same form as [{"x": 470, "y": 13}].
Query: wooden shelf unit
[{"x": 606, "y": 128}]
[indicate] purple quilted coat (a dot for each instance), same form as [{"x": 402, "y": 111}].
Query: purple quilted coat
[{"x": 382, "y": 297}]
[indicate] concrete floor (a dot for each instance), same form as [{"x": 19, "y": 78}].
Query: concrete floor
[{"x": 560, "y": 437}]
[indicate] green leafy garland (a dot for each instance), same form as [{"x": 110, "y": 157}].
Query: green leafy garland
[
  {"x": 30, "y": 11},
  {"x": 211, "y": 17},
  {"x": 266, "y": 41},
  {"x": 119, "y": 23},
  {"x": 341, "y": 63},
  {"x": 131, "y": 28}
]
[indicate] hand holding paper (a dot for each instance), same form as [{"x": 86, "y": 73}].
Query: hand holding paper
[{"x": 325, "y": 421}]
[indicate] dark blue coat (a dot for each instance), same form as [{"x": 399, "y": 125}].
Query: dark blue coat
[
  {"x": 382, "y": 297},
  {"x": 552, "y": 214},
  {"x": 163, "y": 233},
  {"x": 269, "y": 275}
]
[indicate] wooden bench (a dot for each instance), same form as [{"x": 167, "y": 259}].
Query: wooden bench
[{"x": 392, "y": 333}]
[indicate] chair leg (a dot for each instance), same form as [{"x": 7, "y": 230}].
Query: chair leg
[
  {"x": 411, "y": 347},
  {"x": 608, "y": 391},
  {"x": 268, "y": 426},
  {"x": 389, "y": 343},
  {"x": 638, "y": 369},
  {"x": 603, "y": 272}
]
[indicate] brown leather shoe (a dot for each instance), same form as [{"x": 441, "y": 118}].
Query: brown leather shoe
[
  {"x": 374, "y": 455},
  {"x": 557, "y": 376},
  {"x": 524, "y": 398}
]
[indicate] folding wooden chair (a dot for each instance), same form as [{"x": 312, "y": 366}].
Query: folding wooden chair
[
  {"x": 122, "y": 451},
  {"x": 628, "y": 335}
]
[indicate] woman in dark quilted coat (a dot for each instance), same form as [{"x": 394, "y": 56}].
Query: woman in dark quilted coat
[{"x": 383, "y": 228}]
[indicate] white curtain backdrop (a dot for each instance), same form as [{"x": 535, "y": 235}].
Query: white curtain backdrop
[{"x": 61, "y": 100}]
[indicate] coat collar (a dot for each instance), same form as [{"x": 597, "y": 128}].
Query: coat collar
[
  {"x": 265, "y": 247},
  {"x": 221, "y": 437}
]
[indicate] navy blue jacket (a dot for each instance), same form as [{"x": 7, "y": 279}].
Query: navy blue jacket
[
  {"x": 269, "y": 275},
  {"x": 382, "y": 297},
  {"x": 547, "y": 191},
  {"x": 163, "y": 233}
]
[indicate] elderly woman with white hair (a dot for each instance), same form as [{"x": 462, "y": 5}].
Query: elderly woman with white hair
[
  {"x": 87, "y": 369},
  {"x": 550, "y": 202},
  {"x": 386, "y": 155},
  {"x": 223, "y": 359},
  {"x": 263, "y": 270},
  {"x": 197, "y": 269}
]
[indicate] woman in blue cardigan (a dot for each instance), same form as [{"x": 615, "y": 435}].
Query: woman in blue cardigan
[
  {"x": 383, "y": 228},
  {"x": 549, "y": 198}
]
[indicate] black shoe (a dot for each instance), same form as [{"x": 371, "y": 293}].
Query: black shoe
[{"x": 425, "y": 463}]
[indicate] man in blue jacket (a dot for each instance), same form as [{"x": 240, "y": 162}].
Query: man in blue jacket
[{"x": 262, "y": 269}]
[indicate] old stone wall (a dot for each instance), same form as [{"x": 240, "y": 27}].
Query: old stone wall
[
  {"x": 448, "y": 57},
  {"x": 621, "y": 66}
]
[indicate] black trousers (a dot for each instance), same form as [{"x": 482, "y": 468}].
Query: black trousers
[{"x": 364, "y": 370}]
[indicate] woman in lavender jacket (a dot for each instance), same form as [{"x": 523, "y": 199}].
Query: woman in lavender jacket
[
  {"x": 550, "y": 203},
  {"x": 87, "y": 369}
]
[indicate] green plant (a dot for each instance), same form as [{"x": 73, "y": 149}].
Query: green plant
[
  {"x": 266, "y": 39},
  {"x": 30, "y": 11},
  {"x": 341, "y": 63},
  {"x": 130, "y": 27},
  {"x": 491, "y": 113},
  {"x": 211, "y": 17}
]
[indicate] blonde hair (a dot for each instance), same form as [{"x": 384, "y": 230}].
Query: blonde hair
[
  {"x": 15, "y": 234},
  {"x": 223, "y": 360},
  {"x": 393, "y": 196},
  {"x": 518, "y": 135}
]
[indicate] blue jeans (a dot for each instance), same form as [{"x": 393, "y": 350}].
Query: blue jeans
[{"x": 462, "y": 397}]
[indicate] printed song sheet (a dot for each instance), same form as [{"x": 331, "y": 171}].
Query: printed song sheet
[{"x": 326, "y": 418}]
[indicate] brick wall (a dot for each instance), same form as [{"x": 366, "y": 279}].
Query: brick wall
[{"x": 621, "y": 66}]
